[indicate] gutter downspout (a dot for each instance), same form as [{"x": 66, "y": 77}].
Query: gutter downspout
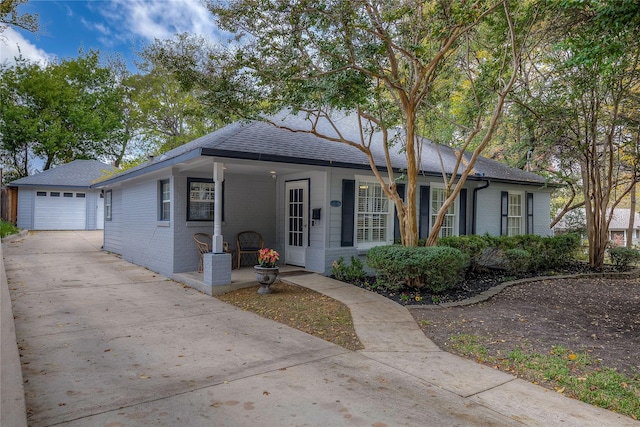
[{"x": 475, "y": 204}]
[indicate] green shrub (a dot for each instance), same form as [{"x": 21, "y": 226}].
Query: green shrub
[
  {"x": 437, "y": 267},
  {"x": 545, "y": 252},
  {"x": 7, "y": 229},
  {"x": 519, "y": 260},
  {"x": 558, "y": 250},
  {"x": 622, "y": 256},
  {"x": 472, "y": 246},
  {"x": 348, "y": 273}
]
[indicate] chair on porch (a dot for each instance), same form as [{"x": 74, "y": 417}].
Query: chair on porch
[
  {"x": 203, "y": 243},
  {"x": 229, "y": 250},
  {"x": 249, "y": 243}
]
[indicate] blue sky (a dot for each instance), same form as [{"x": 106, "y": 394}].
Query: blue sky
[{"x": 110, "y": 26}]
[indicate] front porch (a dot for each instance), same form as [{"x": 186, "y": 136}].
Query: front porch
[{"x": 240, "y": 278}]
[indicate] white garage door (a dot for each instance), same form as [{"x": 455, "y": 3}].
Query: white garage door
[{"x": 60, "y": 210}]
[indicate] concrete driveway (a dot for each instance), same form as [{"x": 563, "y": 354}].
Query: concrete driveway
[{"x": 108, "y": 343}]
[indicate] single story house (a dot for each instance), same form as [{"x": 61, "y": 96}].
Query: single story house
[
  {"x": 60, "y": 198},
  {"x": 618, "y": 227},
  {"x": 312, "y": 200},
  {"x": 575, "y": 221}
]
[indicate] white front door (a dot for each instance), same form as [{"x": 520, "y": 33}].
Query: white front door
[{"x": 297, "y": 215}]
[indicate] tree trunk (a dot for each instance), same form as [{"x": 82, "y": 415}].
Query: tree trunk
[
  {"x": 595, "y": 213},
  {"x": 632, "y": 215},
  {"x": 411, "y": 217}
]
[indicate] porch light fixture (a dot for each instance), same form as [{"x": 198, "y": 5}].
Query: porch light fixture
[{"x": 273, "y": 175}]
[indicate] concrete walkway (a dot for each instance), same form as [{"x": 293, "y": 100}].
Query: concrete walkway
[{"x": 107, "y": 343}]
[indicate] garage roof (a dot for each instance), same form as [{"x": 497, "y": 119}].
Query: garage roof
[{"x": 78, "y": 173}]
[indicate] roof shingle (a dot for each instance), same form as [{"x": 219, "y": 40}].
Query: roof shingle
[
  {"x": 261, "y": 140},
  {"x": 78, "y": 173}
]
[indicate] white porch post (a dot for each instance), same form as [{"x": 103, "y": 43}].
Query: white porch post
[
  {"x": 218, "y": 177},
  {"x": 217, "y": 263}
]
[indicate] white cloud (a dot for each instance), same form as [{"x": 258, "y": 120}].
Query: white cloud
[
  {"x": 12, "y": 44},
  {"x": 159, "y": 19}
]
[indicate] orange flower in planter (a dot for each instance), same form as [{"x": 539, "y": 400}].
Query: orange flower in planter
[{"x": 268, "y": 257}]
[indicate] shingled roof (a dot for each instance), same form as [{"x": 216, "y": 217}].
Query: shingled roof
[
  {"x": 620, "y": 219},
  {"x": 78, "y": 173},
  {"x": 258, "y": 140}
]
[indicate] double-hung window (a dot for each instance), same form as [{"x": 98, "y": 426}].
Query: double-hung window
[
  {"x": 374, "y": 223},
  {"x": 201, "y": 199},
  {"x": 512, "y": 222},
  {"x": 438, "y": 196},
  {"x": 515, "y": 215},
  {"x": 165, "y": 200},
  {"x": 108, "y": 204}
]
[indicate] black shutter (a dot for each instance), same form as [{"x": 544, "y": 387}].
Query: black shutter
[
  {"x": 423, "y": 212},
  {"x": 462, "y": 217},
  {"x": 348, "y": 210},
  {"x": 504, "y": 212},
  {"x": 396, "y": 221},
  {"x": 529, "y": 213}
]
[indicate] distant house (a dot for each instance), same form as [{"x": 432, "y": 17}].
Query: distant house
[
  {"x": 575, "y": 221},
  {"x": 60, "y": 198},
  {"x": 618, "y": 228},
  {"x": 312, "y": 200}
]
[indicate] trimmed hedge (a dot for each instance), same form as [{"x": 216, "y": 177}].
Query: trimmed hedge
[
  {"x": 545, "y": 252},
  {"x": 471, "y": 245},
  {"x": 622, "y": 256},
  {"x": 437, "y": 267},
  {"x": 519, "y": 260}
]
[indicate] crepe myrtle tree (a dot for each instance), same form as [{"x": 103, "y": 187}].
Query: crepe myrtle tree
[
  {"x": 582, "y": 93},
  {"x": 391, "y": 63}
]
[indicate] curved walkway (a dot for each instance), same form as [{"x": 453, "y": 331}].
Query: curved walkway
[
  {"x": 104, "y": 342},
  {"x": 391, "y": 336}
]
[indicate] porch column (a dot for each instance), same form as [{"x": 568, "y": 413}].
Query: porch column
[
  {"x": 217, "y": 263},
  {"x": 218, "y": 177}
]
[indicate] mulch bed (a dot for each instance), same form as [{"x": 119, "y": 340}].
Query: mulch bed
[
  {"x": 473, "y": 284},
  {"x": 597, "y": 314}
]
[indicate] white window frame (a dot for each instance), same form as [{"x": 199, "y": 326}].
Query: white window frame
[
  {"x": 165, "y": 200},
  {"x": 387, "y": 238},
  {"x": 432, "y": 214},
  {"x": 108, "y": 205},
  {"x": 520, "y": 218}
]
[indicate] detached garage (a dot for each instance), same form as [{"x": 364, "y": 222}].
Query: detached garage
[{"x": 60, "y": 198}]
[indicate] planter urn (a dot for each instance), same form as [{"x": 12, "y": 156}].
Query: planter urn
[{"x": 266, "y": 276}]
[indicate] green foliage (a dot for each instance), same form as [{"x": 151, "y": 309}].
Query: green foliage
[
  {"x": 519, "y": 260},
  {"x": 623, "y": 257},
  {"x": 59, "y": 112},
  {"x": 572, "y": 374},
  {"x": 440, "y": 70},
  {"x": 167, "y": 112},
  {"x": 437, "y": 268},
  {"x": 560, "y": 249},
  {"x": 348, "y": 273},
  {"x": 471, "y": 245},
  {"x": 546, "y": 252},
  {"x": 578, "y": 109},
  {"x": 7, "y": 228},
  {"x": 535, "y": 253},
  {"x": 9, "y": 16}
]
